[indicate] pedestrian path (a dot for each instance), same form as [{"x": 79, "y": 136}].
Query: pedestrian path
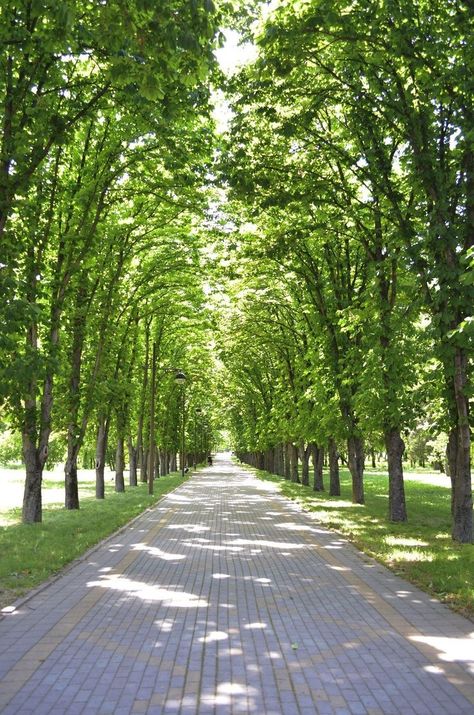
[{"x": 226, "y": 599}]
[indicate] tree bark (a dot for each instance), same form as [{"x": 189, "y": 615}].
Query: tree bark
[
  {"x": 71, "y": 483},
  {"x": 141, "y": 414},
  {"x": 396, "y": 490},
  {"x": 287, "y": 473},
  {"x": 279, "y": 461},
  {"x": 294, "y": 463},
  {"x": 32, "y": 499},
  {"x": 304, "y": 453},
  {"x": 459, "y": 456},
  {"x": 100, "y": 452},
  {"x": 71, "y": 486},
  {"x": 173, "y": 462},
  {"x": 119, "y": 465},
  {"x": 318, "y": 461},
  {"x": 132, "y": 459},
  {"x": 163, "y": 456},
  {"x": 334, "y": 481},
  {"x": 355, "y": 449}
]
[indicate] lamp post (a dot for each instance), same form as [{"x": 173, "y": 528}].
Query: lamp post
[{"x": 180, "y": 379}]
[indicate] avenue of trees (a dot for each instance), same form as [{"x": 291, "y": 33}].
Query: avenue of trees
[
  {"x": 334, "y": 281},
  {"x": 105, "y": 144},
  {"x": 351, "y": 171}
]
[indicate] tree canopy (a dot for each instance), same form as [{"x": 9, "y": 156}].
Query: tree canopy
[{"x": 310, "y": 270}]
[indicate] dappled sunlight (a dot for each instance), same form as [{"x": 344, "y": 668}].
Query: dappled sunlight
[
  {"x": 214, "y": 636},
  {"x": 189, "y": 528},
  {"x": 165, "y": 624},
  {"x": 211, "y": 546},
  {"x": 232, "y": 694},
  {"x": 393, "y": 540},
  {"x": 179, "y": 499},
  {"x": 231, "y": 651},
  {"x": 158, "y": 553},
  {"x": 406, "y": 555},
  {"x": 450, "y": 650},
  {"x": 273, "y": 655},
  {"x": 265, "y": 542},
  {"x": 292, "y": 526},
  {"x": 149, "y": 592},
  {"x": 337, "y": 504}
]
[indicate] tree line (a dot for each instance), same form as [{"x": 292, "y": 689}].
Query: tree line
[
  {"x": 350, "y": 168},
  {"x": 104, "y": 148},
  {"x": 347, "y": 236}
]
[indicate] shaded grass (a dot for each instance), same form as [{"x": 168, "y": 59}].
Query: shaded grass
[
  {"x": 421, "y": 550},
  {"x": 31, "y": 553}
]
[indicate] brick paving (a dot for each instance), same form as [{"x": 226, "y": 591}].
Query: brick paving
[{"x": 226, "y": 599}]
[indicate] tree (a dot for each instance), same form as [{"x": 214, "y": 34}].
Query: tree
[{"x": 377, "y": 93}]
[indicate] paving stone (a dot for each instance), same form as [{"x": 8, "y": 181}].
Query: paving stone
[{"x": 226, "y": 598}]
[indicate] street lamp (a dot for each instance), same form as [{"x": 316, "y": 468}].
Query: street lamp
[{"x": 180, "y": 379}]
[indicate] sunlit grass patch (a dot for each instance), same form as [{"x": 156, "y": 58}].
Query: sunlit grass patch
[
  {"x": 420, "y": 550},
  {"x": 401, "y": 541}
]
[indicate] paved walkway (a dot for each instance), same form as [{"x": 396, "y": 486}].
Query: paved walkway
[{"x": 226, "y": 599}]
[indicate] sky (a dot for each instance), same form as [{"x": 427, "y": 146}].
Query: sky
[{"x": 230, "y": 57}]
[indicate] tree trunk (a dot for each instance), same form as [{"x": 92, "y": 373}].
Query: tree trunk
[
  {"x": 270, "y": 460},
  {"x": 71, "y": 484},
  {"x": 460, "y": 467},
  {"x": 287, "y": 473},
  {"x": 163, "y": 457},
  {"x": 173, "y": 462},
  {"x": 100, "y": 452},
  {"x": 141, "y": 414},
  {"x": 279, "y": 461},
  {"x": 294, "y": 463},
  {"x": 396, "y": 491},
  {"x": 372, "y": 458},
  {"x": 132, "y": 459},
  {"x": 355, "y": 449},
  {"x": 144, "y": 465},
  {"x": 119, "y": 466},
  {"x": 460, "y": 471},
  {"x": 334, "y": 481},
  {"x": 304, "y": 456},
  {"x": 318, "y": 461},
  {"x": 32, "y": 500}
]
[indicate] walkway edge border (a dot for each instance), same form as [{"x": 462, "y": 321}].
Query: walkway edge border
[{"x": 13, "y": 608}]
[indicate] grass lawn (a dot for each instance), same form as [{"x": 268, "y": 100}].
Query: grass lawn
[
  {"x": 31, "y": 553},
  {"x": 421, "y": 550}
]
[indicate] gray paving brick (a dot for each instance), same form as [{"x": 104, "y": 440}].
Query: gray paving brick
[{"x": 227, "y": 599}]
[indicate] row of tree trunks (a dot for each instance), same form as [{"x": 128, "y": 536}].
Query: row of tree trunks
[{"x": 284, "y": 459}]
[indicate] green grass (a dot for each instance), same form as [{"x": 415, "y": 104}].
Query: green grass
[
  {"x": 421, "y": 550},
  {"x": 31, "y": 553}
]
